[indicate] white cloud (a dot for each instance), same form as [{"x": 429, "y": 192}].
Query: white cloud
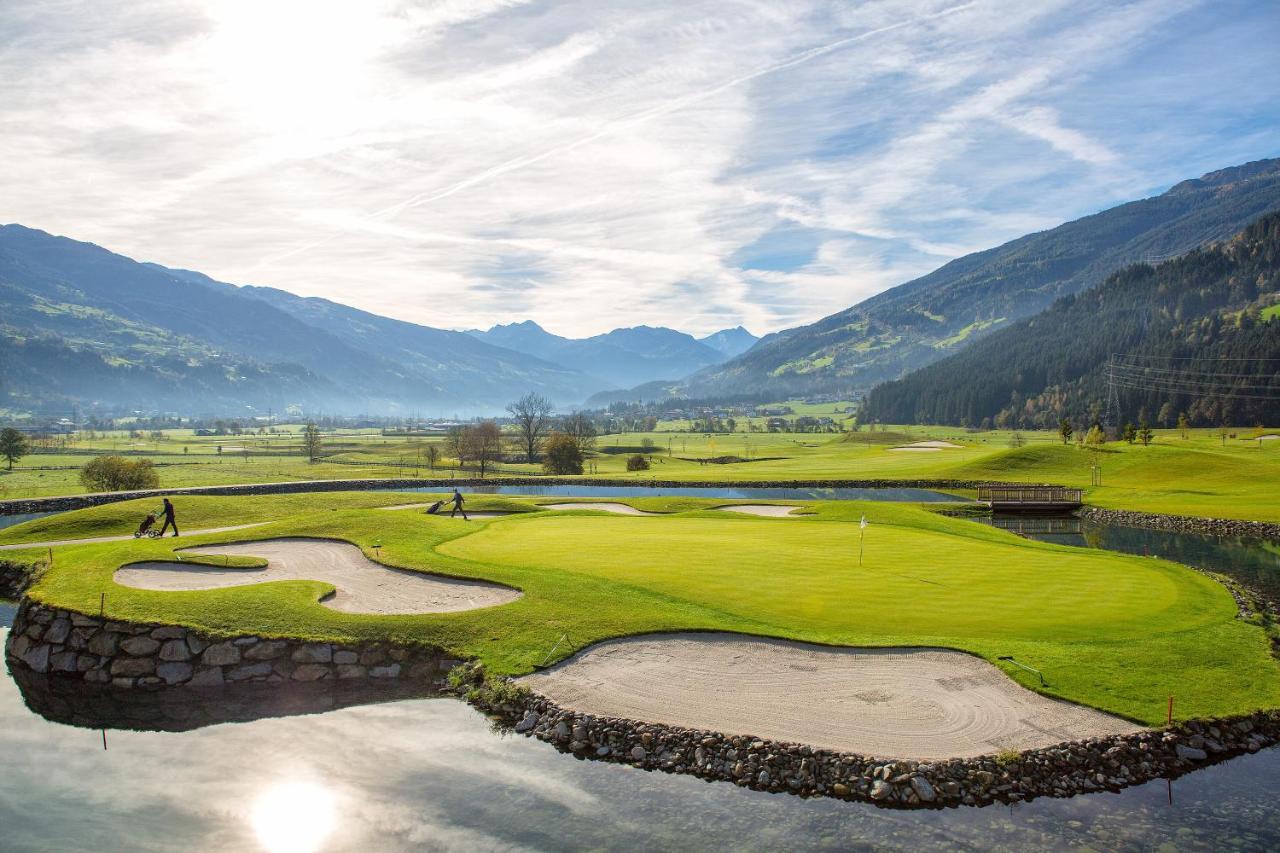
[{"x": 591, "y": 165}]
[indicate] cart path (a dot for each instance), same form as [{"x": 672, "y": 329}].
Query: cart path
[{"x": 92, "y": 539}]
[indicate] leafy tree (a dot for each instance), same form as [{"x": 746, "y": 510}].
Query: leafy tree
[
  {"x": 1130, "y": 433},
  {"x": 117, "y": 474},
  {"x": 1065, "y": 430},
  {"x": 561, "y": 454},
  {"x": 1096, "y": 436},
  {"x": 637, "y": 463},
  {"x": 1144, "y": 434},
  {"x": 1183, "y": 424},
  {"x": 648, "y": 445},
  {"x": 311, "y": 443},
  {"x": 1017, "y": 439},
  {"x": 13, "y": 445},
  {"x": 1165, "y": 415},
  {"x": 532, "y": 414}
]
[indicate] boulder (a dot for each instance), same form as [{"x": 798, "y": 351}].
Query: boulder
[
  {"x": 175, "y": 650},
  {"x": 310, "y": 672},
  {"x": 220, "y": 654},
  {"x": 132, "y": 667},
  {"x": 174, "y": 672},
  {"x": 266, "y": 650},
  {"x": 313, "y": 653},
  {"x": 139, "y": 646}
]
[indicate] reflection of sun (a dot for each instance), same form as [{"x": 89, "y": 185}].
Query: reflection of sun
[{"x": 294, "y": 817}]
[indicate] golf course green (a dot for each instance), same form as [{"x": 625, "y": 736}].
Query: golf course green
[{"x": 1114, "y": 632}]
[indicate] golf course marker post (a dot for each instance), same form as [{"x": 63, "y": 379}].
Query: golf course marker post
[
  {"x": 1170, "y": 717},
  {"x": 862, "y": 535},
  {"x": 1010, "y": 659}
]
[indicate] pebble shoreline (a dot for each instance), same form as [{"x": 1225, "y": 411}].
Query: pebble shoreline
[{"x": 1063, "y": 770}]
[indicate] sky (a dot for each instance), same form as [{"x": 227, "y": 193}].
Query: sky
[{"x": 589, "y": 165}]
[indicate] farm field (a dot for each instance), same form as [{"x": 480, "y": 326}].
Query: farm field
[
  {"x": 1203, "y": 474},
  {"x": 1114, "y": 632}
]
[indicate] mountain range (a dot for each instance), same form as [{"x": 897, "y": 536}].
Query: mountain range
[
  {"x": 623, "y": 357},
  {"x": 83, "y": 326},
  {"x": 925, "y": 320}
]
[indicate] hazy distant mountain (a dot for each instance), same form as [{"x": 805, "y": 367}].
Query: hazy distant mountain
[
  {"x": 621, "y": 358},
  {"x": 81, "y": 325},
  {"x": 924, "y": 320},
  {"x": 730, "y": 342}
]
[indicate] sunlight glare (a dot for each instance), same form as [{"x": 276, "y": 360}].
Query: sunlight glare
[{"x": 294, "y": 817}]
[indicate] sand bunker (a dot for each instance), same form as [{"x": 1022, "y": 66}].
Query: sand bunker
[
  {"x": 617, "y": 509},
  {"x": 126, "y": 538},
  {"x": 925, "y": 446},
  {"x": 921, "y": 704},
  {"x": 766, "y": 510},
  {"x": 363, "y": 586}
]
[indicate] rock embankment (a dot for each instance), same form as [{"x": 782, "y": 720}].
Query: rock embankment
[
  {"x": 1058, "y": 771},
  {"x": 128, "y": 654},
  {"x": 1184, "y": 523}
]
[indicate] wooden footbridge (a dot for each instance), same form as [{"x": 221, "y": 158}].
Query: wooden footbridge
[{"x": 1030, "y": 498}]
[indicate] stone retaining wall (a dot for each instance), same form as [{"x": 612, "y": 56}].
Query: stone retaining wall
[
  {"x": 1184, "y": 523},
  {"x": 127, "y": 654},
  {"x": 65, "y": 502},
  {"x": 1057, "y": 771}
]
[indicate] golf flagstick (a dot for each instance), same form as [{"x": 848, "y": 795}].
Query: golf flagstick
[{"x": 862, "y": 535}]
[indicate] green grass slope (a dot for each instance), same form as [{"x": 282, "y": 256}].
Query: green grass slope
[{"x": 1115, "y": 632}]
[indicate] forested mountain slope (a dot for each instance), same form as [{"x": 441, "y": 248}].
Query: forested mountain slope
[
  {"x": 1198, "y": 334},
  {"x": 925, "y": 320}
]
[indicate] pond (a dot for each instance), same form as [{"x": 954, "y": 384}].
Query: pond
[
  {"x": 1252, "y": 562},
  {"x": 728, "y": 493},
  {"x": 19, "y": 518},
  {"x": 430, "y": 773}
]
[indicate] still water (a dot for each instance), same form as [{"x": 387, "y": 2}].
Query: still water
[
  {"x": 774, "y": 493},
  {"x": 431, "y": 774},
  {"x": 19, "y": 518},
  {"x": 1253, "y": 562}
]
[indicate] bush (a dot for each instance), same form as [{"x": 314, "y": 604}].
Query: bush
[
  {"x": 117, "y": 474},
  {"x": 561, "y": 454},
  {"x": 637, "y": 463}
]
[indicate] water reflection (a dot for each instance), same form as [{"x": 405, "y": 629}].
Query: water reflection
[
  {"x": 1252, "y": 562},
  {"x": 430, "y": 774},
  {"x": 294, "y": 817}
]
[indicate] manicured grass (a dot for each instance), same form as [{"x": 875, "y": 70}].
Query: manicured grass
[
  {"x": 1202, "y": 474},
  {"x": 1116, "y": 632}
]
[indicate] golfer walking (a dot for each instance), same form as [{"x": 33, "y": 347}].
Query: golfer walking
[
  {"x": 456, "y": 500},
  {"x": 169, "y": 520}
]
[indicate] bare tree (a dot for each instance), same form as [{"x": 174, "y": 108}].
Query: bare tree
[
  {"x": 433, "y": 455},
  {"x": 480, "y": 444},
  {"x": 583, "y": 430},
  {"x": 532, "y": 414}
]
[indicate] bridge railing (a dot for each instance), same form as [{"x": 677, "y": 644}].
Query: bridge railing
[{"x": 1030, "y": 494}]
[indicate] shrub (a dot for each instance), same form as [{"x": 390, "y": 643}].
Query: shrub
[
  {"x": 637, "y": 463},
  {"x": 561, "y": 454},
  {"x": 117, "y": 474}
]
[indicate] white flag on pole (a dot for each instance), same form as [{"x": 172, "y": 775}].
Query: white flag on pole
[{"x": 864, "y": 523}]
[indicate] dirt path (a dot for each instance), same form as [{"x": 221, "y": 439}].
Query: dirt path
[
  {"x": 363, "y": 586},
  {"x": 766, "y": 510},
  {"x": 56, "y": 542},
  {"x": 921, "y": 704}
]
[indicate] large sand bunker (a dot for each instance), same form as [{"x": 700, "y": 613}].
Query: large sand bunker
[
  {"x": 921, "y": 704},
  {"x": 362, "y": 585},
  {"x": 763, "y": 510},
  {"x": 926, "y": 446},
  {"x": 602, "y": 506}
]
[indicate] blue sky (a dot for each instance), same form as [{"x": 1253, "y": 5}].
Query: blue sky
[{"x": 461, "y": 163}]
